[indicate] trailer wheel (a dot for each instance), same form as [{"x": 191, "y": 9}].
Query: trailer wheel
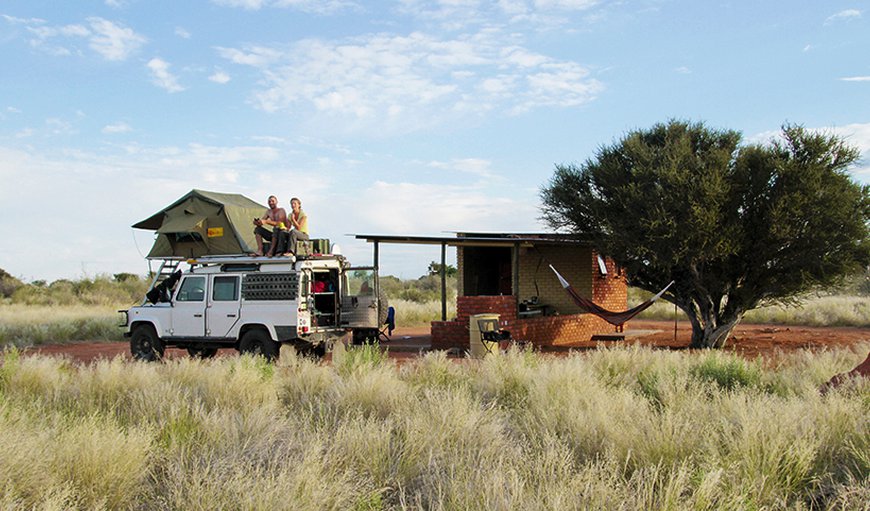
[
  {"x": 258, "y": 342},
  {"x": 145, "y": 345},
  {"x": 202, "y": 353}
]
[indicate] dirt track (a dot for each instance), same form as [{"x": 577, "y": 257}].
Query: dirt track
[{"x": 747, "y": 340}]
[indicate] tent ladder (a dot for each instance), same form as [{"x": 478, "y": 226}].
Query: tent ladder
[{"x": 167, "y": 268}]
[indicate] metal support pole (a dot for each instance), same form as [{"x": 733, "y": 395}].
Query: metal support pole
[
  {"x": 377, "y": 276},
  {"x": 443, "y": 281},
  {"x": 515, "y": 269}
]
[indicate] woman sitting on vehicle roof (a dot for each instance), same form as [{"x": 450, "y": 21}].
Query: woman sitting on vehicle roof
[{"x": 298, "y": 228}]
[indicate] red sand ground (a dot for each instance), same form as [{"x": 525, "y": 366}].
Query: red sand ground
[{"x": 406, "y": 343}]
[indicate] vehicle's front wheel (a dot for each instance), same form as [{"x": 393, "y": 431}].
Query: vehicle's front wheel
[
  {"x": 145, "y": 345},
  {"x": 258, "y": 342},
  {"x": 202, "y": 353}
]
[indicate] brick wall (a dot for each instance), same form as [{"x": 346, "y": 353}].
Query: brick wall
[
  {"x": 571, "y": 262},
  {"x": 542, "y": 331},
  {"x": 609, "y": 291}
]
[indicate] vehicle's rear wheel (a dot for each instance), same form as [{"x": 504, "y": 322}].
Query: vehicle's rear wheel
[
  {"x": 258, "y": 342},
  {"x": 202, "y": 352},
  {"x": 145, "y": 345}
]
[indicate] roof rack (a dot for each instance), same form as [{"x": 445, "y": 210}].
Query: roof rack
[
  {"x": 246, "y": 258},
  {"x": 240, "y": 258}
]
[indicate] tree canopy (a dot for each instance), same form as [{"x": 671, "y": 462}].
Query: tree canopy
[{"x": 736, "y": 226}]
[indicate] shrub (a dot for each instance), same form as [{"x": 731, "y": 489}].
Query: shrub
[
  {"x": 8, "y": 284},
  {"x": 728, "y": 372}
]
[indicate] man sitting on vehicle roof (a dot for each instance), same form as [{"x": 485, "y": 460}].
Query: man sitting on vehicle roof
[{"x": 274, "y": 217}]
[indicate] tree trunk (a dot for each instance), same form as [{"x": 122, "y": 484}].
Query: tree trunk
[{"x": 712, "y": 332}]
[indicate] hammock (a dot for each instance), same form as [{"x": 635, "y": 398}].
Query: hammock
[{"x": 614, "y": 318}]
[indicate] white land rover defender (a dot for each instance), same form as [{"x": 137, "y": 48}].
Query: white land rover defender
[{"x": 255, "y": 304}]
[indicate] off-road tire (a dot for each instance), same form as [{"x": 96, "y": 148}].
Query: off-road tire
[
  {"x": 383, "y": 306},
  {"x": 202, "y": 353},
  {"x": 145, "y": 344},
  {"x": 258, "y": 342}
]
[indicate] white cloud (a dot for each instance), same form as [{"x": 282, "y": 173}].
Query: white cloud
[
  {"x": 25, "y": 133},
  {"x": 110, "y": 40},
  {"x": 59, "y": 126},
  {"x": 256, "y": 56},
  {"x": 428, "y": 208},
  {"x": 182, "y": 33},
  {"x": 856, "y": 79},
  {"x": 219, "y": 77},
  {"x": 475, "y": 166},
  {"x": 118, "y": 127},
  {"x": 459, "y": 14},
  {"x": 113, "y": 41},
  {"x": 245, "y": 4},
  {"x": 42, "y": 32},
  {"x": 569, "y": 5},
  {"x": 857, "y": 134},
  {"x": 311, "y": 6},
  {"x": 162, "y": 77},
  {"x": 22, "y": 21},
  {"x": 844, "y": 15},
  {"x": 683, "y": 70},
  {"x": 409, "y": 82}
]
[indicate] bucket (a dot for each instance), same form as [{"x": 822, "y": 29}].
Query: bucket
[{"x": 477, "y": 345}]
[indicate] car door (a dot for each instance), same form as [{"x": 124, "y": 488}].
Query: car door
[
  {"x": 359, "y": 303},
  {"x": 222, "y": 311},
  {"x": 188, "y": 307}
]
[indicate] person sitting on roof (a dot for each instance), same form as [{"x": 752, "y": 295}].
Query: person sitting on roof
[
  {"x": 298, "y": 227},
  {"x": 274, "y": 217}
]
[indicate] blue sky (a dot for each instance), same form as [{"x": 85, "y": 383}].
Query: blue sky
[{"x": 402, "y": 117}]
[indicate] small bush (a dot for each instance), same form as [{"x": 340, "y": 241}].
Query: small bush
[
  {"x": 8, "y": 284},
  {"x": 364, "y": 356},
  {"x": 727, "y": 372}
]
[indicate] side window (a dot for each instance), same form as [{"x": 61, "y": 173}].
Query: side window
[
  {"x": 226, "y": 289},
  {"x": 361, "y": 282},
  {"x": 192, "y": 290}
]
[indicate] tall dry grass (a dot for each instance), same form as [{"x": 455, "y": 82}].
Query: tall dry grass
[
  {"x": 27, "y": 325},
  {"x": 409, "y": 313},
  {"x": 626, "y": 428}
]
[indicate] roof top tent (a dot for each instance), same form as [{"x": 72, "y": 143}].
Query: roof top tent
[{"x": 203, "y": 223}]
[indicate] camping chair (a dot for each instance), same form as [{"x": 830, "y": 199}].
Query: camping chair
[
  {"x": 490, "y": 334},
  {"x": 389, "y": 325}
]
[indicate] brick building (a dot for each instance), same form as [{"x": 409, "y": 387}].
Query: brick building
[{"x": 509, "y": 275}]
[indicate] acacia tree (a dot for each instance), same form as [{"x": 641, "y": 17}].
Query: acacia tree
[{"x": 735, "y": 226}]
